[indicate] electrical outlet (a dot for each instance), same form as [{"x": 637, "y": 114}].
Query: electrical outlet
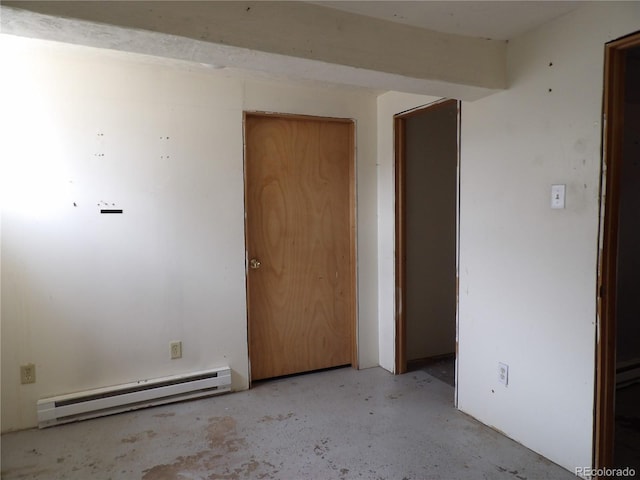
[
  {"x": 27, "y": 373},
  {"x": 503, "y": 373},
  {"x": 176, "y": 350}
]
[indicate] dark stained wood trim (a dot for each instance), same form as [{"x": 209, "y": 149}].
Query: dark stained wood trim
[
  {"x": 246, "y": 259},
  {"x": 613, "y": 127},
  {"x": 458, "y": 213},
  {"x": 353, "y": 233},
  {"x": 401, "y": 246}
]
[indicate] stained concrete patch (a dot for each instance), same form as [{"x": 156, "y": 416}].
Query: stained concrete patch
[
  {"x": 279, "y": 418},
  {"x": 321, "y": 450},
  {"x": 135, "y": 438},
  {"x": 222, "y": 434},
  {"x": 206, "y": 465},
  {"x": 164, "y": 415},
  {"x": 218, "y": 461},
  {"x": 26, "y": 472},
  {"x": 191, "y": 463}
]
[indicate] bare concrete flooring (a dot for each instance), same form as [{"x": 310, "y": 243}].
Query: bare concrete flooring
[{"x": 337, "y": 424}]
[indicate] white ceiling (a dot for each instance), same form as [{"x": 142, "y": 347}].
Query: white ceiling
[{"x": 499, "y": 20}]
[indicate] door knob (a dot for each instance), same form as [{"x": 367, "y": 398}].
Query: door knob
[{"x": 254, "y": 263}]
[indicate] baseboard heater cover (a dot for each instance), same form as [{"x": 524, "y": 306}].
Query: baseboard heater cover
[{"x": 132, "y": 396}]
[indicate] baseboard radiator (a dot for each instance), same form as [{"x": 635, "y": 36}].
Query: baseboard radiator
[
  {"x": 627, "y": 373},
  {"x": 132, "y": 396}
]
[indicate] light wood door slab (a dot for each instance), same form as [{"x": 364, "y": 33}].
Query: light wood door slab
[{"x": 299, "y": 227}]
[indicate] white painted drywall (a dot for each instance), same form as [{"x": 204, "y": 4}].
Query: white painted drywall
[
  {"x": 94, "y": 300},
  {"x": 527, "y": 272},
  {"x": 389, "y": 104}
]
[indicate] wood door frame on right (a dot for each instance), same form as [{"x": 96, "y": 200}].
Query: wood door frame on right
[
  {"x": 613, "y": 128},
  {"x": 401, "y": 228}
]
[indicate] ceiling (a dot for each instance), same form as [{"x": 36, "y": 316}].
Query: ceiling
[{"x": 498, "y": 20}]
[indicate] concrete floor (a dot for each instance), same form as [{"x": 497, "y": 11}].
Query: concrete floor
[
  {"x": 443, "y": 369},
  {"x": 337, "y": 424}
]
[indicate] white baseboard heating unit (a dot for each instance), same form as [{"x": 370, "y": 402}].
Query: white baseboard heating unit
[{"x": 132, "y": 396}]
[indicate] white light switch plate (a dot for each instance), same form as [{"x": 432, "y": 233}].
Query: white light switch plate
[{"x": 558, "y": 196}]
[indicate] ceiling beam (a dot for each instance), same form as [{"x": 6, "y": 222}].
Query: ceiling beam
[{"x": 292, "y": 38}]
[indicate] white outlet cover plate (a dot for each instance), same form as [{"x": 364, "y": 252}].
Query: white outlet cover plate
[{"x": 503, "y": 373}]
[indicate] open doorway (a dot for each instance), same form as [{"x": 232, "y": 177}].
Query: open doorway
[
  {"x": 618, "y": 350},
  {"x": 427, "y": 152}
]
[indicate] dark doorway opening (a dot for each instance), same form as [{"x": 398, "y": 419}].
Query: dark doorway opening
[
  {"x": 617, "y": 439},
  {"x": 427, "y": 154},
  {"x": 627, "y": 398}
]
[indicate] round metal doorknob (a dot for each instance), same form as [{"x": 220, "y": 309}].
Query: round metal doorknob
[{"x": 254, "y": 263}]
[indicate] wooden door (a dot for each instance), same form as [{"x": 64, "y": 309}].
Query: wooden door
[{"x": 300, "y": 243}]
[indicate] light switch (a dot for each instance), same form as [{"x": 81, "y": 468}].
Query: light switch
[{"x": 557, "y": 196}]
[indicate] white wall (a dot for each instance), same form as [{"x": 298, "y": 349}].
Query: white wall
[
  {"x": 94, "y": 300},
  {"x": 528, "y": 273}
]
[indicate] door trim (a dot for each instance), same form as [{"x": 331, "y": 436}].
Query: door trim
[
  {"x": 613, "y": 126},
  {"x": 353, "y": 294},
  {"x": 401, "y": 227}
]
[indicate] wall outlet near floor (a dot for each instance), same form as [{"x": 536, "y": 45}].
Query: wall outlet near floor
[
  {"x": 176, "y": 350},
  {"x": 27, "y": 373},
  {"x": 503, "y": 373}
]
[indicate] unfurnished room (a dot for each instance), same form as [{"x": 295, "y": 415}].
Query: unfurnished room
[{"x": 325, "y": 240}]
